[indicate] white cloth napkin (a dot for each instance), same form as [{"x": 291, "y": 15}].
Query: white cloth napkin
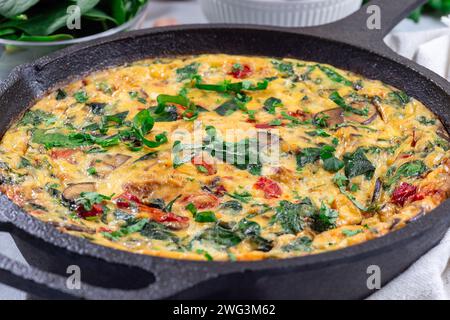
[
  {"x": 430, "y": 48},
  {"x": 429, "y": 277}
]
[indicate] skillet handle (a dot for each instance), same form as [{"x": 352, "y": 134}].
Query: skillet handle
[
  {"x": 361, "y": 28},
  {"x": 52, "y": 286},
  {"x": 169, "y": 279}
]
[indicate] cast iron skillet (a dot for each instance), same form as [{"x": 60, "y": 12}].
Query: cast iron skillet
[{"x": 108, "y": 273}]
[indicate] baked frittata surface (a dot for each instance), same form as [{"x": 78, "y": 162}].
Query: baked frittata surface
[{"x": 222, "y": 157}]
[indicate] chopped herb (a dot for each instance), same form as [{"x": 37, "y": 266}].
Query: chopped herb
[
  {"x": 425, "y": 121},
  {"x": 318, "y": 133},
  {"x": 398, "y": 98},
  {"x": 336, "y": 98},
  {"x": 169, "y": 114},
  {"x": 105, "y": 88},
  {"x": 61, "y": 94},
  {"x": 334, "y": 76},
  {"x": 275, "y": 122},
  {"x": 88, "y": 199},
  {"x": 205, "y": 254},
  {"x": 244, "y": 196},
  {"x": 52, "y": 189},
  {"x": 72, "y": 140},
  {"x": 311, "y": 155},
  {"x": 134, "y": 95},
  {"x": 325, "y": 219},
  {"x": 294, "y": 120},
  {"x": 299, "y": 244},
  {"x": 229, "y": 87},
  {"x": 157, "y": 231},
  {"x": 127, "y": 230},
  {"x": 91, "y": 171},
  {"x": 81, "y": 96},
  {"x": 285, "y": 68},
  {"x": 148, "y": 156},
  {"x": 351, "y": 233},
  {"x": 190, "y": 113},
  {"x": 407, "y": 170},
  {"x": 187, "y": 72},
  {"x": 321, "y": 120},
  {"x": 37, "y": 117},
  {"x": 24, "y": 163},
  {"x": 232, "y": 205},
  {"x": 271, "y": 104},
  {"x": 221, "y": 236},
  {"x": 333, "y": 164},
  {"x": 228, "y": 107},
  {"x": 97, "y": 108},
  {"x": 342, "y": 182},
  {"x": 442, "y": 143},
  {"x": 249, "y": 228},
  {"x": 201, "y": 217},
  {"x": 291, "y": 216}
]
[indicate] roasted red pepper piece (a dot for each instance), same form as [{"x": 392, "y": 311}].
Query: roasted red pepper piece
[
  {"x": 168, "y": 218},
  {"x": 263, "y": 126},
  {"x": 240, "y": 71},
  {"x": 270, "y": 188},
  {"x": 97, "y": 210},
  {"x": 121, "y": 200},
  {"x": 403, "y": 193},
  {"x": 64, "y": 154},
  {"x": 202, "y": 200},
  {"x": 220, "y": 191}
]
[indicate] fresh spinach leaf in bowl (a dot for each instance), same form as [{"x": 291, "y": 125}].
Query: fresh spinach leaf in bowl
[{"x": 47, "y": 20}]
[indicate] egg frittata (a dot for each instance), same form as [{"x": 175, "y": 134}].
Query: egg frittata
[{"x": 222, "y": 157}]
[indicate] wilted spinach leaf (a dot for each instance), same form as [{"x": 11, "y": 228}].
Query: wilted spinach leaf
[
  {"x": 291, "y": 216},
  {"x": 300, "y": 244},
  {"x": 324, "y": 219},
  {"x": 357, "y": 164},
  {"x": 221, "y": 236}
]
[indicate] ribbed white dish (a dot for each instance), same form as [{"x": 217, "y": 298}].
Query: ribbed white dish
[{"x": 287, "y": 13}]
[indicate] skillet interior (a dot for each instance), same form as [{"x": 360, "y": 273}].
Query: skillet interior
[{"x": 33, "y": 81}]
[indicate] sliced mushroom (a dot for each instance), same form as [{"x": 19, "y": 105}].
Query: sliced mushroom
[
  {"x": 73, "y": 227},
  {"x": 333, "y": 116},
  {"x": 442, "y": 132},
  {"x": 338, "y": 116},
  {"x": 116, "y": 160},
  {"x": 176, "y": 225},
  {"x": 108, "y": 163},
  {"x": 418, "y": 216},
  {"x": 377, "y": 191},
  {"x": 376, "y": 101},
  {"x": 73, "y": 191},
  {"x": 364, "y": 120}
]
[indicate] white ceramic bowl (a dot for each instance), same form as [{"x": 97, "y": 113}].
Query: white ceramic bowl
[{"x": 287, "y": 13}]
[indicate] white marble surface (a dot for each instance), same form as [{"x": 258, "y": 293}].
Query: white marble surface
[{"x": 185, "y": 12}]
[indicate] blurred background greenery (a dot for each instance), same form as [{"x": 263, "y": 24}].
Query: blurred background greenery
[{"x": 46, "y": 20}]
